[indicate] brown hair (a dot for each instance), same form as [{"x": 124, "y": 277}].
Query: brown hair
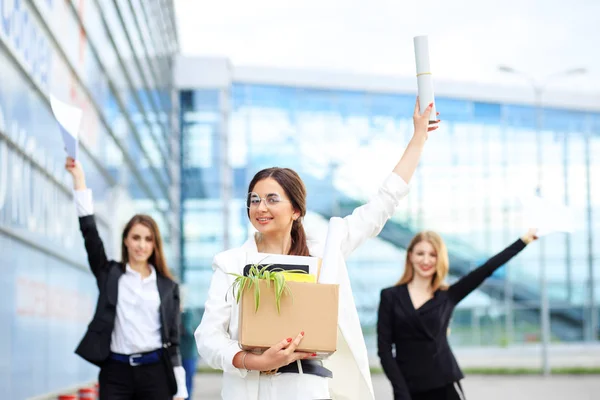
[
  {"x": 442, "y": 265},
  {"x": 157, "y": 259},
  {"x": 295, "y": 190}
]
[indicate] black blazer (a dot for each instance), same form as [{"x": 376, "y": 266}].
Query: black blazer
[
  {"x": 423, "y": 360},
  {"x": 95, "y": 345}
]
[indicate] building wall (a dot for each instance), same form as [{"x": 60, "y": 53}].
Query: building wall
[{"x": 79, "y": 51}]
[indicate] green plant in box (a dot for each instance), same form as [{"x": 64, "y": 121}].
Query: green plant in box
[{"x": 255, "y": 275}]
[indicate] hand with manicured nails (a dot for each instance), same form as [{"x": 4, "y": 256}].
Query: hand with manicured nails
[
  {"x": 283, "y": 353},
  {"x": 76, "y": 171},
  {"x": 530, "y": 236},
  {"x": 421, "y": 122}
]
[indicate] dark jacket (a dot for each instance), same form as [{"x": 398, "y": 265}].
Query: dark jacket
[
  {"x": 423, "y": 360},
  {"x": 95, "y": 345}
]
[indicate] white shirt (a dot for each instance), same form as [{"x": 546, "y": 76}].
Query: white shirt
[{"x": 137, "y": 322}]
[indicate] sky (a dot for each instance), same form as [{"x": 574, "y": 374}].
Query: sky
[{"x": 468, "y": 39}]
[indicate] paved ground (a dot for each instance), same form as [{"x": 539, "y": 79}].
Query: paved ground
[
  {"x": 208, "y": 386},
  {"x": 528, "y": 356}
]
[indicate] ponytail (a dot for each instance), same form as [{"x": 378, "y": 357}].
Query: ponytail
[{"x": 299, "y": 246}]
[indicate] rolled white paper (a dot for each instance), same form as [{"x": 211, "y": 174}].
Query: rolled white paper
[
  {"x": 424, "y": 77},
  {"x": 332, "y": 251}
]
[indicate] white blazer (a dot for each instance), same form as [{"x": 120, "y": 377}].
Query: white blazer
[{"x": 216, "y": 337}]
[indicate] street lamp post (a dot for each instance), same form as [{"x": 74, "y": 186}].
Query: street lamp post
[{"x": 538, "y": 90}]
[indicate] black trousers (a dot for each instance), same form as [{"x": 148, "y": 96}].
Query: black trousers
[
  {"x": 452, "y": 391},
  {"x": 120, "y": 381}
]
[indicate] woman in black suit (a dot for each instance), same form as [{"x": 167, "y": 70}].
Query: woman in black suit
[
  {"x": 134, "y": 335},
  {"x": 414, "y": 316}
]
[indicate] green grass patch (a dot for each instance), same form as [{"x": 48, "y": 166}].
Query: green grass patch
[{"x": 208, "y": 370}]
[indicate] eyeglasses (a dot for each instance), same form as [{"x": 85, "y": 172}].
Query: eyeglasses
[{"x": 271, "y": 200}]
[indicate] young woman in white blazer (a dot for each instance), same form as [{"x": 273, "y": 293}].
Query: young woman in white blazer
[{"x": 276, "y": 204}]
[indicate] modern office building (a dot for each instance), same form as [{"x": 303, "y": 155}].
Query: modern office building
[
  {"x": 477, "y": 184},
  {"x": 180, "y": 138},
  {"x": 113, "y": 60}
]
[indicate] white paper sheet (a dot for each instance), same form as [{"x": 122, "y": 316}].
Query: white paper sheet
[
  {"x": 424, "y": 75},
  {"x": 69, "y": 120},
  {"x": 331, "y": 253},
  {"x": 547, "y": 216}
]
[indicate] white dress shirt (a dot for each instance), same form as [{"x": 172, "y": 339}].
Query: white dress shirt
[{"x": 137, "y": 322}]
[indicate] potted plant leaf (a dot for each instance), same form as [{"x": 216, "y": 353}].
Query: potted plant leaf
[{"x": 256, "y": 273}]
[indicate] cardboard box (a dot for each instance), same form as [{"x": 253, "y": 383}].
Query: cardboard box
[{"x": 311, "y": 307}]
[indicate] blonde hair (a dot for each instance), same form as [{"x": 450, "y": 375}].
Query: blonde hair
[{"x": 442, "y": 264}]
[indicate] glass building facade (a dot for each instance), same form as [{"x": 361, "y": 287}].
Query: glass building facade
[
  {"x": 472, "y": 186},
  {"x": 112, "y": 59}
]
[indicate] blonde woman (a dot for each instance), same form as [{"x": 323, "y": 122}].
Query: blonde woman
[{"x": 414, "y": 316}]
